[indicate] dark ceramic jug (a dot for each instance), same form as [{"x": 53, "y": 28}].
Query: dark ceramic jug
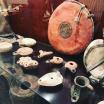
[{"x": 32, "y": 18}]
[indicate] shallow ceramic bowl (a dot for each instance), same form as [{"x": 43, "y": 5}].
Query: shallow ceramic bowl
[
  {"x": 5, "y": 47},
  {"x": 27, "y": 42}
]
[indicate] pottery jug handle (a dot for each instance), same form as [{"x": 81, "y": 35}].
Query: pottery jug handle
[{"x": 90, "y": 87}]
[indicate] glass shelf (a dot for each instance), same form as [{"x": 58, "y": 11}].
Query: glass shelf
[
  {"x": 23, "y": 85},
  {"x": 17, "y": 77}
]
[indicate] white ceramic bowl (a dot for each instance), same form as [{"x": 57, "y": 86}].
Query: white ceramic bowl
[
  {"x": 5, "y": 47},
  {"x": 28, "y": 42}
]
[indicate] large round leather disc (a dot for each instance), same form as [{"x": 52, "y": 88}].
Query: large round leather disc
[{"x": 64, "y": 33}]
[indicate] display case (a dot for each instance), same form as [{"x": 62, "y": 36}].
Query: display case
[
  {"x": 33, "y": 72},
  {"x": 13, "y": 76}
]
